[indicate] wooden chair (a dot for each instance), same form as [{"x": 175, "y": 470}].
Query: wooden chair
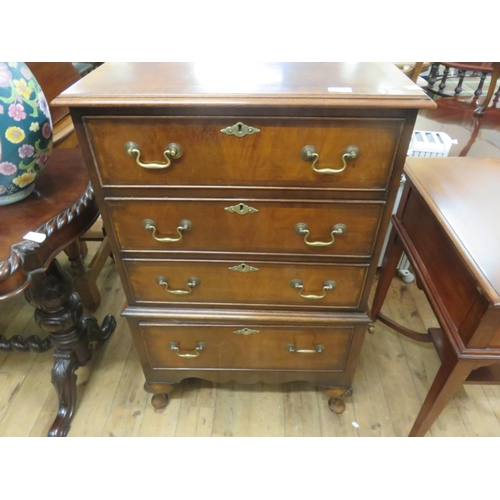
[
  {"x": 54, "y": 78},
  {"x": 481, "y": 70},
  {"x": 412, "y": 70}
]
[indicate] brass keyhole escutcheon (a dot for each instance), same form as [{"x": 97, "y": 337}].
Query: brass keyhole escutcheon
[
  {"x": 240, "y": 130},
  {"x": 241, "y": 209},
  {"x": 243, "y": 268},
  {"x": 246, "y": 331}
]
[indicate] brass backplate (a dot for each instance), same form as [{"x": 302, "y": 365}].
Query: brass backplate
[
  {"x": 240, "y": 130},
  {"x": 243, "y": 268},
  {"x": 246, "y": 331},
  {"x": 241, "y": 209}
]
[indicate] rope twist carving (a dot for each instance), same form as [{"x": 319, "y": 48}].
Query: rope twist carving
[{"x": 15, "y": 261}]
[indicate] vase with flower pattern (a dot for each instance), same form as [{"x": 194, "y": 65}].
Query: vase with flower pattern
[{"x": 25, "y": 132}]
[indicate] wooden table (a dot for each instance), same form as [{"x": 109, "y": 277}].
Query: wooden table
[
  {"x": 62, "y": 207},
  {"x": 449, "y": 226}
]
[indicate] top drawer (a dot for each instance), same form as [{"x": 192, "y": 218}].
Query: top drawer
[{"x": 270, "y": 157}]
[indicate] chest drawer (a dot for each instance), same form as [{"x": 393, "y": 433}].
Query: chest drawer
[
  {"x": 270, "y": 157},
  {"x": 256, "y": 347},
  {"x": 333, "y": 228},
  {"x": 249, "y": 283},
  {"x": 459, "y": 294}
]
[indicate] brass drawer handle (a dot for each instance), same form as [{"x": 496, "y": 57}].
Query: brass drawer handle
[
  {"x": 327, "y": 286},
  {"x": 192, "y": 282},
  {"x": 199, "y": 347},
  {"x": 309, "y": 153},
  {"x": 303, "y": 230},
  {"x": 173, "y": 151},
  {"x": 317, "y": 349},
  {"x": 183, "y": 226}
]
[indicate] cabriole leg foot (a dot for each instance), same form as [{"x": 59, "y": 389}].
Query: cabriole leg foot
[
  {"x": 160, "y": 394},
  {"x": 335, "y": 403},
  {"x": 159, "y": 401}
]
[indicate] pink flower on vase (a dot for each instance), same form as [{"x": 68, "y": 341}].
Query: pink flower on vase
[
  {"x": 46, "y": 130},
  {"x": 42, "y": 159},
  {"x": 16, "y": 111},
  {"x": 26, "y": 73},
  {"x": 3, "y": 189},
  {"x": 42, "y": 103},
  {"x": 5, "y": 75},
  {"x": 1, "y": 109},
  {"x": 7, "y": 168},
  {"x": 26, "y": 150}
]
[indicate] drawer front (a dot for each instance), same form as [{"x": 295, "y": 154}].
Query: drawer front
[
  {"x": 240, "y": 346},
  {"x": 454, "y": 284},
  {"x": 346, "y": 229},
  {"x": 260, "y": 283},
  {"x": 271, "y": 157}
]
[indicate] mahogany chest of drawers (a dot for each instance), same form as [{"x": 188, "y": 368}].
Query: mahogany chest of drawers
[{"x": 246, "y": 213}]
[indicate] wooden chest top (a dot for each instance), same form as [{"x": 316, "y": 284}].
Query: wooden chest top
[
  {"x": 246, "y": 84},
  {"x": 463, "y": 194}
]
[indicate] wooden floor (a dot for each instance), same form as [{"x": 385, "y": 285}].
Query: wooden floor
[{"x": 391, "y": 382}]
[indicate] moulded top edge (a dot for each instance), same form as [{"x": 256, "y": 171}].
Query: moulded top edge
[{"x": 274, "y": 84}]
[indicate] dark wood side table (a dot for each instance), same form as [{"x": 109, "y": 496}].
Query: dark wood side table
[
  {"x": 449, "y": 226},
  {"x": 62, "y": 207}
]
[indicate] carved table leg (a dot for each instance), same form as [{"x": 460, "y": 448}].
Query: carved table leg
[
  {"x": 336, "y": 404},
  {"x": 59, "y": 311},
  {"x": 64, "y": 382},
  {"x": 83, "y": 278},
  {"x": 160, "y": 394}
]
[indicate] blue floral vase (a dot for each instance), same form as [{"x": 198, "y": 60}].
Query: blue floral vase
[{"x": 25, "y": 132}]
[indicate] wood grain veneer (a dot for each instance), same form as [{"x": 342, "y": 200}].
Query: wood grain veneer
[
  {"x": 270, "y": 285},
  {"x": 270, "y": 230},
  {"x": 270, "y": 157}
]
